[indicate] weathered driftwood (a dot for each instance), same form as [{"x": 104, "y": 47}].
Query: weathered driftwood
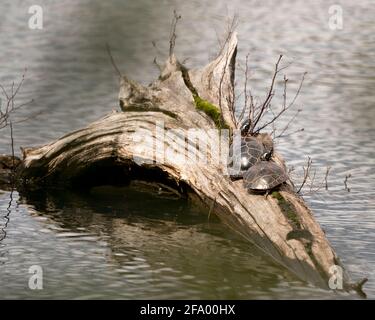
[{"x": 104, "y": 152}]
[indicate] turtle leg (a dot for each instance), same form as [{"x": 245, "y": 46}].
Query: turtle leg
[{"x": 266, "y": 194}]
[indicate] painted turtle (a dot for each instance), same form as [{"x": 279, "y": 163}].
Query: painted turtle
[
  {"x": 264, "y": 176},
  {"x": 263, "y": 138},
  {"x": 243, "y": 155}
]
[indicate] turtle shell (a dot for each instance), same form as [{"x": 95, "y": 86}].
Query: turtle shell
[
  {"x": 244, "y": 155},
  {"x": 263, "y": 176}
]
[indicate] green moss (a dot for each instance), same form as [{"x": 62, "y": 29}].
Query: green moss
[
  {"x": 277, "y": 196},
  {"x": 288, "y": 209},
  {"x": 309, "y": 251},
  {"x": 211, "y": 110},
  {"x": 300, "y": 234},
  {"x": 207, "y": 107}
]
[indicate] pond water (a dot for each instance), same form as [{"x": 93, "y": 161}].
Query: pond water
[{"x": 127, "y": 244}]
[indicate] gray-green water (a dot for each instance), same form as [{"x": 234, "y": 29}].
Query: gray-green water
[{"x": 132, "y": 245}]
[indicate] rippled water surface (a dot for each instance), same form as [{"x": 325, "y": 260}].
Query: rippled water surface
[{"x": 126, "y": 244}]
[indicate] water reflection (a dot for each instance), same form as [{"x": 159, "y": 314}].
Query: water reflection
[{"x": 104, "y": 244}]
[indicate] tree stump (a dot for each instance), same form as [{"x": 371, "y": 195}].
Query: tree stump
[{"x": 106, "y": 152}]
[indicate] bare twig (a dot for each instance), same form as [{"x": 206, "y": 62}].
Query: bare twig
[
  {"x": 32, "y": 116},
  {"x": 13, "y": 155},
  {"x": 12, "y": 183},
  {"x": 284, "y": 107},
  {"x": 257, "y": 111},
  {"x": 10, "y": 106},
  {"x": 346, "y": 181},
  {"x": 155, "y": 46},
  {"x": 306, "y": 173},
  {"x": 249, "y": 99},
  {"x": 312, "y": 181},
  {"x": 290, "y": 133},
  {"x": 326, "y": 177},
  {"x": 6, "y": 113},
  {"x": 310, "y": 175},
  {"x": 291, "y": 121},
  {"x": 113, "y": 60},
  {"x": 173, "y": 35},
  {"x": 268, "y": 99},
  {"x": 156, "y": 63},
  {"x": 284, "y": 94}
]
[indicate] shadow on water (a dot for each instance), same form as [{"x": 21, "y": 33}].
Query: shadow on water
[{"x": 112, "y": 246}]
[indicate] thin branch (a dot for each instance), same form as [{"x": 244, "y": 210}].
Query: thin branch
[
  {"x": 6, "y": 120},
  {"x": 310, "y": 175},
  {"x": 312, "y": 181},
  {"x": 306, "y": 173},
  {"x": 289, "y": 134},
  {"x": 282, "y": 133},
  {"x": 156, "y": 63},
  {"x": 173, "y": 35},
  {"x": 285, "y": 107},
  {"x": 113, "y": 60},
  {"x": 34, "y": 115},
  {"x": 12, "y": 183},
  {"x": 13, "y": 174},
  {"x": 346, "y": 182},
  {"x": 284, "y": 94},
  {"x": 155, "y": 46},
  {"x": 10, "y": 104},
  {"x": 247, "y": 95},
  {"x": 269, "y": 96},
  {"x": 298, "y": 90},
  {"x": 326, "y": 177}
]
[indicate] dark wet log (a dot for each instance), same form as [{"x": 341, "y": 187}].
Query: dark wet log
[
  {"x": 8, "y": 165},
  {"x": 106, "y": 152}
]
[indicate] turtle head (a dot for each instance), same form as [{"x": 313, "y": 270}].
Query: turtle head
[
  {"x": 266, "y": 140},
  {"x": 245, "y": 128},
  {"x": 267, "y": 155}
]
